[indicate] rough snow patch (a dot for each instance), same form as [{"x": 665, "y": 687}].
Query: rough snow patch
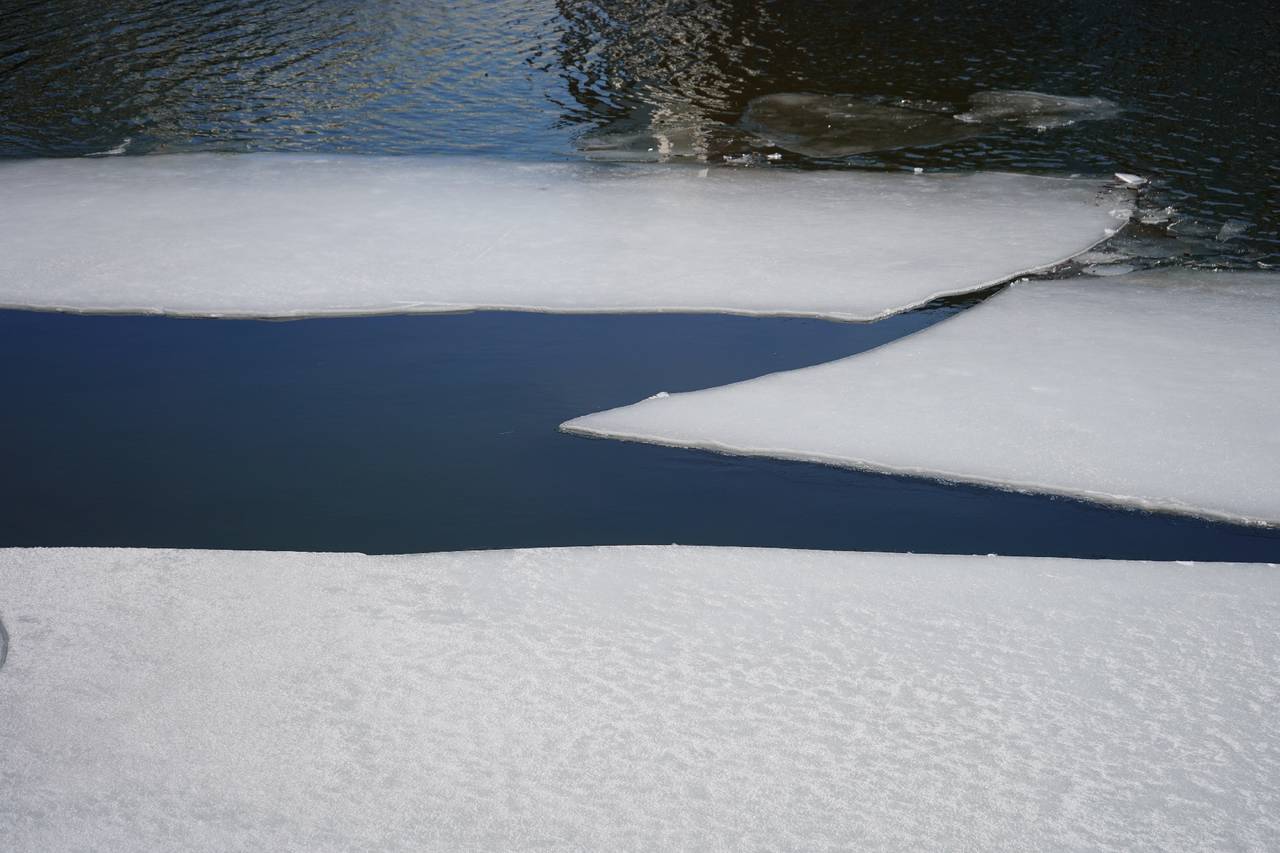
[
  {"x": 636, "y": 699},
  {"x": 1159, "y": 391},
  {"x": 278, "y": 235}
]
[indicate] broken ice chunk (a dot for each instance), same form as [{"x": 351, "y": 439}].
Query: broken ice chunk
[
  {"x": 653, "y": 133},
  {"x": 1107, "y": 269},
  {"x": 1232, "y": 229},
  {"x": 1154, "y": 390},
  {"x": 818, "y": 125},
  {"x": 1035, "y": 109},
  {"x": 685, "y": 698}
]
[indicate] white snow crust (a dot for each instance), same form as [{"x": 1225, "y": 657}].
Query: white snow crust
[
  {"x": 641, "y": 698},
  {"x": 280, "y": 235},
  {"x": 1159, "y": 391}
]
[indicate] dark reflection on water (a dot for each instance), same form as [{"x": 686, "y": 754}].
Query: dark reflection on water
[
  {"x": 1199, "y": 82},
  {"x": 404, "y": 434}
]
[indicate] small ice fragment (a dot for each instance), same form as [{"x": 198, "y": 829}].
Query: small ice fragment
[
  {"x": 113, "y": 152},
  {"x": 1232, "y": 229},
  {"x": 1130, "y": 180},
  {"x": 1100, "y": 258},
  {"x": 1108, "y": 269},
  {"x": 917, "y": 171},
  {"x": 1035, "y": 109},
  {"x": 774, "y": 156},
  {"x": 661, "y": 395},
  {"x": 1157, "y": 217},
  {"x": 1191, "y": 228}
]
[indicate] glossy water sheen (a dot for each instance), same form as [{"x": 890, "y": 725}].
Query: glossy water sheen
[{"x": 402, "y": 434}]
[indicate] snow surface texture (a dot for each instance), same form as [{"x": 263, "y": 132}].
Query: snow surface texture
[
  {"x": 636, "y": 698},
  {"x": 277, "y": 235},
  {"x": 1158, "y": 390}
]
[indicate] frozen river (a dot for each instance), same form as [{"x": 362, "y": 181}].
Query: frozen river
[{"x": 431, "y": 433}]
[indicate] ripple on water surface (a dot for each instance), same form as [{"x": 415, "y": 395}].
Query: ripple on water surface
[{"x": 1198, "y": 85}]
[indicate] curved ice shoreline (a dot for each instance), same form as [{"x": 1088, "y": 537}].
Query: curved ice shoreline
[
  {"x": 1153, "y": 391},
  {"x": 281, "y": 236},
  {"x": 636, "y": 698}
]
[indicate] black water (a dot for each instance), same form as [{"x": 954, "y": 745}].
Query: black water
[{"x": 427, "y": 433}]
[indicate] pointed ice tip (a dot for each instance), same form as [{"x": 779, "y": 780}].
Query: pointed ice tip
[{"x": 1130, "y": 180}]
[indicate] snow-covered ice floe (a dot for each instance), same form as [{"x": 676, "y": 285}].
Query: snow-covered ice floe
[
  {"x": 1159, "y": 391},
  {"x": 278, "y": 235},
  {"x": 636, "y": 698}
]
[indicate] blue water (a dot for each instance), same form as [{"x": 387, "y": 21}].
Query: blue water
[
  {"x": 429, "y": 433},
  {"x": 405, "y": 434}
]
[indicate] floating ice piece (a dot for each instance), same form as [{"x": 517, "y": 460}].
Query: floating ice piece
[
  {"x": 1130, "y": 180},
  {"x": 1108, "y": 269},
  {"x": 640, "y": 698},
  {"x": 114, "y": 151},
  {"x": 1036, "y": 109},
  {"x": 1192, "y": 228},
  {"x": 1231, "y": 229},
  {"x": 278, "y": 235},
  {"x": 842, "y": 125},
  {"x": 1157, "y": 391}
]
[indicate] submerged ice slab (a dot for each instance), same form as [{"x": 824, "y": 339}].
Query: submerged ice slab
[
  {"x": 1036, "y": 109},
  {"x": 1158, "y": 391},
  {"x": 277, "y": 235},
  {"x": 819, "y": 125},
  {"x": 843, "y": 125},
  {"x": 636, "y": 698}
]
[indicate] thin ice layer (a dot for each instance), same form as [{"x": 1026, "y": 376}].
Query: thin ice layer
[
  {"x": 1158, "y": 391},
  {"x": 279, "y": 235},
  {"x": 636, "y": 698}
]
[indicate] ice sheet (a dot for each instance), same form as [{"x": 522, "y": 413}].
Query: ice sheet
[
  {"x": 1036, "y": 109},
  {"x": 1157, "y": 390},
  {"x": 635, "y": 698},
  {"x": 291, "y": 235}
]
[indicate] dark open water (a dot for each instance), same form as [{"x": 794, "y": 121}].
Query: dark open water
[{"x": 426, "y": 433}]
